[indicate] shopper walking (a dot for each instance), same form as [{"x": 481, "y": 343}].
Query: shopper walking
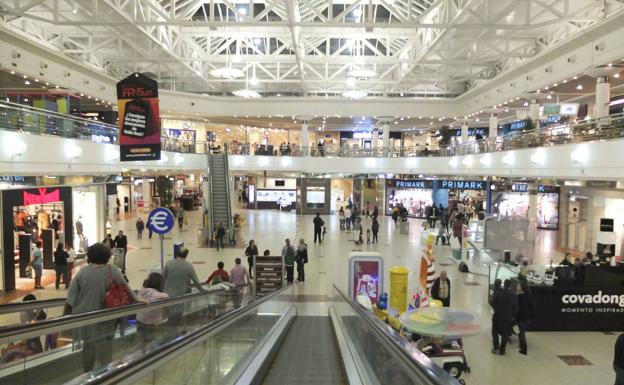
[
  {"x": 36, "y": 262},
  {"x": 121, "y": 242},
  {"x": 109, "y": 241},
  {"x": 341, "y": 218},
  {"x": 395, "y": 215},
  {"x": 240, "y": 277},
  {"x": 251, "y": 251},
  {"x": 140, "y": 226},
  {"x": 375, "y": 213},
  {"x": 525, "y": 314},
  {"x": 444, "y": 218},
  {"x": 60, "y": 266},
  {"x": 318, "y": 227},
  {"x": 441, "y": 289},
  {"x": 180, "y": 215},
  {"x": 347, "y": 214},
  {"x": 289, "y": 255},
  {"x": 148, "y": 322},
  {"x": 178, "y": 273},
  {"x": 301, "y": 258},
  {"x": 87, "y": 293},
  {"x": 375, "y": 229},
  {"x": 505, "y": 305},
  {"x": 618, "y": 360},
  {"x": 220, "y": 233}
]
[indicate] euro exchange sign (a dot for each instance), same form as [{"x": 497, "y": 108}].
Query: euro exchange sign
[{"x": 160, "y": 220}]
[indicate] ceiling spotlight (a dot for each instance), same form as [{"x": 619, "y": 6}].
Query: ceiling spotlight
[
  {"x": 549, "y": 97},
  {"x": 257, "y": 41},
  {"x": 576, "y": 77},
  {"x": 526, "y": 104},
  {"x": 27, "y": 82},
  {"x": 617, "y": 76},
  {"x": 254, "y": 81},
  {"x": 579, "y": 87},
  {"x": 351, "y": 82},
  {"x": 362, "y": 73},
  {"x": 358, "y": 12},
  {"x": 242, "y": 11}
]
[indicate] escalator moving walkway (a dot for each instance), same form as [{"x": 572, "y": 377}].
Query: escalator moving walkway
[{"x": 308, "y": 355}]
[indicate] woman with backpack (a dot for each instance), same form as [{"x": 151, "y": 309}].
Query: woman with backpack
[{"x": 301, "y": 259}]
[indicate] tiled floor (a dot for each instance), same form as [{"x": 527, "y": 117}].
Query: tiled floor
[{"x": 328, "y": 266}]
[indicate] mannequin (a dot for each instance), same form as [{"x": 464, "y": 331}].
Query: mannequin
[{"x": 427, "y": 266}]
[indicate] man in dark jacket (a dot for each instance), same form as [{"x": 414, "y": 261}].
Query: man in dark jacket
[
  {"x": 505, "y": 305},
  {"x": 121, "y": 242},
  {"x": 618, "y": 360},
  {"x": 441, "y": 289},
  {"x": 525, "y": 314},
  {"x": 318, "y": 227}
]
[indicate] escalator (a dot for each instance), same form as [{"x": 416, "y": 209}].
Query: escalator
[
  {"x": 309, "y": 354},
  {"x": 220, "y": 207},
  {"x": 24, "y": 358},
  {"x": 268, "y": 343}
]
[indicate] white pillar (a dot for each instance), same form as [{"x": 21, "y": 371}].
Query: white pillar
[
  {"x": 146, "y": 192},
  {"x": 386, "y": 138},
  {"x": 305, "y": 138},
  {"x": 374, "y": 138},
  {"x": 464, "y": 132},
  {"x": 602, "y": 97},
  {"x": 493, "y": 126},
  {"x": 534, "y": 112}
]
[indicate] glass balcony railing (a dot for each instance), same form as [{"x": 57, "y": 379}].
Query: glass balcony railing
[{"x": 15, "y": 117}]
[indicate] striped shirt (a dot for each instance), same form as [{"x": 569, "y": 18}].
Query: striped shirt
[{"x": 430, "y": 275}]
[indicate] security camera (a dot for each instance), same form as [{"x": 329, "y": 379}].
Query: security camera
[
  {"x": 16, "y": 55},
  {"x": 192, "y": 103},
  {"x": 43, "y": 65},
  {"x": 599, "y": 47},
  {"x": 572, "y": 59}
]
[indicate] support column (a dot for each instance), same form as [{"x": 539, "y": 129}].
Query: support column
[
  {"x": 464, "y": 132},
  {"x": 386, "y": 138},
  {"x": 603, "y": 94},
  {"x": 374, "y": 140},
  {"x": 534, "y": 112},
  {"x": 305, "y": 138},
  {"x": 146, "y": 192},
  {"x": 493, "y": 126}
]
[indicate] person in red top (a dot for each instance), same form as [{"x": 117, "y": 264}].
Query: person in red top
[{"x": 218, "y": 275}]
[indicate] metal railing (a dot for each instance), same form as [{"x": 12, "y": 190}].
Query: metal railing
[{"x": 16, "y": 117}]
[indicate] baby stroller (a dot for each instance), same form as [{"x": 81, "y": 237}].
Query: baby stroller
[{"x": 446, "y": 353}]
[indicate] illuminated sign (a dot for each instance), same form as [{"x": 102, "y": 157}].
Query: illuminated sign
[
  {"x": 44, "y": 196},
  {"x": 520, "y": 187},
  {"x": 410, "y": 183},
  {"x": 462, "y": 185}
]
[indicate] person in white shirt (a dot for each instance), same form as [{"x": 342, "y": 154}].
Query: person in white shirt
[{"x": 348, "y": 215}]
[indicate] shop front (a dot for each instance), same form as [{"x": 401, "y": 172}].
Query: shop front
[
  {"x": 315, "y": 195},
  {"x": 414, "y": 194},
  {"x": 471, "y": 194},
  {"x": 565, "y": 301},
  {"x": 510, "y": 201},
  {"x": 28, "y": 216},
  {"x": 272, "y": 193},
  {"x": 89, "y": 222},
  {"x": 547, "y": 213}
]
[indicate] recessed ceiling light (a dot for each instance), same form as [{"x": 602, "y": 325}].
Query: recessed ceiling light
[{"x": 579, "y": 87}]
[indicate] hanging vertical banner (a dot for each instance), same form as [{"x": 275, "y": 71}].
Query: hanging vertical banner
[{"x": 139, "y": 118}]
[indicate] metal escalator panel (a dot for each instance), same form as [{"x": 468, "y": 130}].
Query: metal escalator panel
[
  {"x": 220, "y": 203},
  {"x": 308, "y": 355},
  {"x": 86, "y": 343}
]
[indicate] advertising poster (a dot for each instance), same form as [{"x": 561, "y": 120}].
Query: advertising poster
[
  {"x": 366, "y": 276},
  {"x": 547, "y": 207},
  {"x": 511, "y": 202},
  {"x": 139, "y": 118},
  {"x": 415, "y": 195}
]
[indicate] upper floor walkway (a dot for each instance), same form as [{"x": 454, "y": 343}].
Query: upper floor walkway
[{"x": 589, "y": 149}]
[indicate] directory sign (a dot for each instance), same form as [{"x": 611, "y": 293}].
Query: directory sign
[
  {"x": 268, "y": 274},
  {"x": 366, "y": 275},
  {"x": 139, "y": 118}
]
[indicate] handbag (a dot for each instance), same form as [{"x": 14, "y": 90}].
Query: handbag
[{"x": 117, "y": 294}]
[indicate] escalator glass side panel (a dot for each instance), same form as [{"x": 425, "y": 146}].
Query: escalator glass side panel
[{"x": 92, "y": 345}]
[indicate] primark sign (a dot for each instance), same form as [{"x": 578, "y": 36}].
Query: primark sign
[
  {"x": 462, "y": 185},
  {"x": 410, "y": 183}
]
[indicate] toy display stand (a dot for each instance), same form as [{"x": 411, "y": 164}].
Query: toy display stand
[{"x": 441, "y": 322}]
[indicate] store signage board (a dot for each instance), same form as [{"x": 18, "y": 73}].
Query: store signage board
[
  {"x": 410, "y": 183},
  {"x": 161, "y": 221},
  {"x": 139, "y": 118},
  {"x": 41, "y": 196},
  {"x": 520, "y": 187},
  {"x": 547, "y": 189},
  {"x": 268, "y": 274},
  {"x": 462, "y": 185},
  {"x": 366, "y": 275}
]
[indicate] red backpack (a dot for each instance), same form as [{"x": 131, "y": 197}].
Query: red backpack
[{"x": 117, "y": 294}]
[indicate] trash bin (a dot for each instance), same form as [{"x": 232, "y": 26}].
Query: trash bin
[{"x": 404, "y": 229}]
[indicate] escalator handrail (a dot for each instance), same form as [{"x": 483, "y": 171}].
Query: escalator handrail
[
  {"x": 13, "y": 333},
  {"x": 16, "y": 307},
  {"x": 399, "y": 345},
  {"x": 128, "y": 370}
]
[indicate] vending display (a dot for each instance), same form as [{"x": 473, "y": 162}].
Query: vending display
[
  {"x": 415, "y": 195},
  {"x": 366, "y": 275},
  {"x": 547, "y": 207}
]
